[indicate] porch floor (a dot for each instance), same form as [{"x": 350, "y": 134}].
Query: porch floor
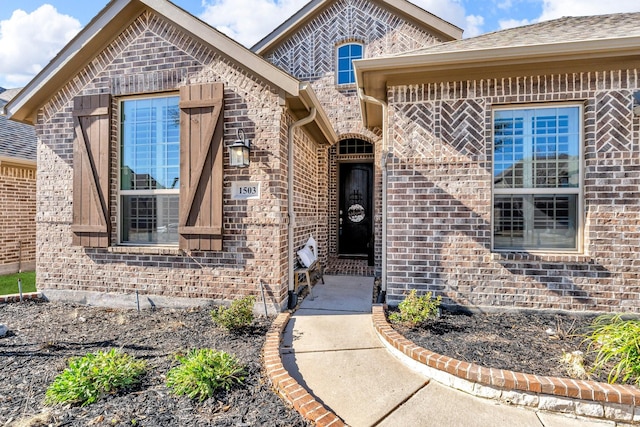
[{"x": 348, "y": 267}]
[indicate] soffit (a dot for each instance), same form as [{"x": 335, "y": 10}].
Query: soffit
[{"x": 374, "y": 76}]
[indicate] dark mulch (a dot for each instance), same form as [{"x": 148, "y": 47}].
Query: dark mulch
[
  {"x": 43, "y": 336},
  {"x": 516, "y": 341}
]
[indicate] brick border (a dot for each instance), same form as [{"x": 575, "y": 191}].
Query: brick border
[
  {"x": 286, "y": 386},
  {"x": 4, "y": 299},
  {"x": 583, "y": 398}
]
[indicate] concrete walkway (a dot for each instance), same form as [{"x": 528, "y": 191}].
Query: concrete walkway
[{"x": 331, "y": 348}]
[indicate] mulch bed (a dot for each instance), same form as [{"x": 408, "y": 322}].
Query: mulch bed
[
  {"x": 43, "y": 336},
  {"x": 517, "y": 341}
]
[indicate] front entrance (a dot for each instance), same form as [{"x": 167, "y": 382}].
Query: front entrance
[{"x": 355, "y": 210}]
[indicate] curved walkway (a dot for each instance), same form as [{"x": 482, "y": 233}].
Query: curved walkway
[{"x": 329, "y": 362}]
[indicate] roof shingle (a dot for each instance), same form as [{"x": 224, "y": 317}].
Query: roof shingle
[{"x": 17, "y": 140}]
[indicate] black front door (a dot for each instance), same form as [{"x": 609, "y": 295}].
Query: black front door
[{"x": 355, "y": 222}]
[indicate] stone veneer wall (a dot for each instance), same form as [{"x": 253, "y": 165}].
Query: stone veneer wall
[
  {"x": 440, "y": 196},
  {"x": 152, "y": 56},
  {"x": 18, "y": 219}
]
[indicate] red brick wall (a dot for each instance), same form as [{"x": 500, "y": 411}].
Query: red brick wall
[
  {"x": 440, "y": 196},
  {"x": 17, "y": 222}
]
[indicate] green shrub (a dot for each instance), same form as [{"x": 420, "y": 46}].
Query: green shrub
[
  {"x": 203, "y": 371},
  {"x": 88, "y": 377},
  {"x": 237, "y": 316},
  {"x": 415, "y": 310},
  {"x": 616, "y": 343}
]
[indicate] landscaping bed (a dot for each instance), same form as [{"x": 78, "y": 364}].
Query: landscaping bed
[
  {"x": 531, "y": 342},
  {"x": 43, "y": 336}
]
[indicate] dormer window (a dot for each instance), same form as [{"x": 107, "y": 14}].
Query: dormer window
[{"x": 346, "y": 54}]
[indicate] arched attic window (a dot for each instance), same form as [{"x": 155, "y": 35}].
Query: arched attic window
[{"x": 346, "y": 53}]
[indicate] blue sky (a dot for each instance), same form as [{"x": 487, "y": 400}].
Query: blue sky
[{"x": 33, "y": 31}]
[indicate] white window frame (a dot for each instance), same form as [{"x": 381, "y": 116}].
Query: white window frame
[
  {"x": 121, "y": 192},
  {"x": 578, "y": 191},
  {"x": 341, "y": 45}
]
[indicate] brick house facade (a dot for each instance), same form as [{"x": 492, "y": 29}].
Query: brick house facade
[
  {"x": 17, "y": 193},
  {"x": 419, "y": 169},
  {"x": 446, "y": 183}
]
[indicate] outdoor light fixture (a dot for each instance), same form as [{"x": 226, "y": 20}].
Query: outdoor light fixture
[
  {"x": 239, "y": 151},
  {"x": 636, "y": 103}
]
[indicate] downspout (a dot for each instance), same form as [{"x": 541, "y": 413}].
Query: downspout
[
  {"x": 383, "y": 164},
  {"x": 290, "y": 169}
]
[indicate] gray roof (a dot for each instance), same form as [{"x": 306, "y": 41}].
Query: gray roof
[
  {"x": 567, "y": 29},
  {"x": 17, "y": 140}
]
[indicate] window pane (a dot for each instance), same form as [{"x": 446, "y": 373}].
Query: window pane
[
  {"x": 346, "y": 54},
  {"x": 150, "y": 143},
  {"x": 536, "y": 148},
  {"x": 535, "y": 221},
  {"x": 150, "y": 161},
  {"x": 150, "y": 219}
]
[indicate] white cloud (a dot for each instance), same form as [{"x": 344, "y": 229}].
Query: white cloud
[
  {"x": 28, "y": 41},
  {"x": 474, "y": 26},
  {"x": 512, "y": 23},
  {"x": 248, "y": 21},
  {"x": 451, "y": 11},
  {"x": 553, "y": 9}
]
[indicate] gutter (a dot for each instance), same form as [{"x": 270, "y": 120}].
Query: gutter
[
  {"x": 290, "y": 175},
  {"x": 491, "y": 56},
  {"x": 383, "y": 165}
]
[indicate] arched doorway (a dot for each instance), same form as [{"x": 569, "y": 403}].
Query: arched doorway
[{"x": 353, "y": 175}]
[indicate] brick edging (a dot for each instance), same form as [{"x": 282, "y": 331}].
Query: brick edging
[
  {"x": 287, "y": 386},
  {"x": 16, "y": 297},
  {"x": 591, "y": 391}
]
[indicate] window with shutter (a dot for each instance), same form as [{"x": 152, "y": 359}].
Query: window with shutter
[
  {"x": 201, "y": 167},
  {"x": 91, "y": 119}
]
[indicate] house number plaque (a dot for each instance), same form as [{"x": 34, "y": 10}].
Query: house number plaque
[{"x": 245, "y": 190}]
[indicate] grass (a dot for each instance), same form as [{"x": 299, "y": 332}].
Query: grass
[{"x": 9, "y": 282}]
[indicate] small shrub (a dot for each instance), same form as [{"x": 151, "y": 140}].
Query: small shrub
[
  {"x": 203, "y": 371},
  {"x": 237, "y": 316},
  {"x": 415, "y": 310},
  {"x": 616, "y": 342},
  {"x": 90, "y": 376}
]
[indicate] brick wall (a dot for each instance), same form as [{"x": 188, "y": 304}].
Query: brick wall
[
  {"x": 440, "y": 196},
  {"x": 17, "y": 222},
  {"x": 152, "y": 56},
  {"x": 310, "y": 55}
]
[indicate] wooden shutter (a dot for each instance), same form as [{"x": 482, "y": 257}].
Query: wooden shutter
[
  {"x": 201, "y": 167},
  {"x": 92, "y": 125}
]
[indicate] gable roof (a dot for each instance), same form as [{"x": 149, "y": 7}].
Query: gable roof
[
  {"x": 114, "y": 18},
  {"x": 17, "y": 140},
  {"x": 570, "y": 43},
  {"x": 403, "y": 8}
]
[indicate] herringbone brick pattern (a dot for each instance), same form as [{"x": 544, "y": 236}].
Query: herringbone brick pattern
[
  {"x": 309, "y": 53},
  {"x": 440, "y": 203},
  {"x": 614, "y": 132},
  {"x": 462, "y": 125}
]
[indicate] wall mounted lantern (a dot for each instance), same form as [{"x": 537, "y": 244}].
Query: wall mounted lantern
[{"x": 239, "y": 151}]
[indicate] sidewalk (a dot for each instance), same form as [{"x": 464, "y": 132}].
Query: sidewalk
[{"x": 331, "y": 348}]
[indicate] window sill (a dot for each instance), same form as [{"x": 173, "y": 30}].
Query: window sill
[
  {"x": 146, "y": 250},
  {"x": 563, "y": 257},
  {"x": 346, "y": 86}
]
